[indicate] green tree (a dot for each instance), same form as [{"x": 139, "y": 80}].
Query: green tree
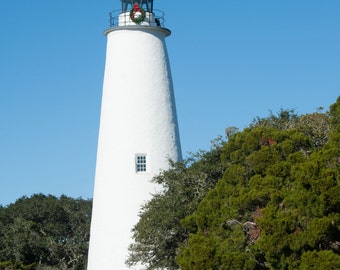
[
  {"x": 277, "y": 202},
  {"x": 45, "y": 231}
]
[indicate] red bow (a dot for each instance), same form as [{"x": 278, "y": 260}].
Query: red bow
[{"x": 136, "y": 7}]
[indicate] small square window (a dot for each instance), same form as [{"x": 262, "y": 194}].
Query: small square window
[{"x": 141, "y": 163}]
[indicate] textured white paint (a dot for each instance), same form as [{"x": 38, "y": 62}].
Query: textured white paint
[{"x": 138, "y": 116}]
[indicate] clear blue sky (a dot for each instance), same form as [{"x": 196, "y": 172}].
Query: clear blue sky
[{"x": 231, "y": 60}]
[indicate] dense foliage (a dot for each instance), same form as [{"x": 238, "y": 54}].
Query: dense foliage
[
  {"x": 268, "y": 199},
  {"x": 45, "y": 232}
]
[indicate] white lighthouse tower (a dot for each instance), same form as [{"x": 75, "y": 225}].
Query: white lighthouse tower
[{"x": 138, "y": 131}]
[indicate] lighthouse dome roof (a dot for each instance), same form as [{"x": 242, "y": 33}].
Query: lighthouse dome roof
[{"x": 136, "y": 1}]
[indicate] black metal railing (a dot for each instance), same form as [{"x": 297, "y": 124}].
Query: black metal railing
[{"x": 119, "y": 18}]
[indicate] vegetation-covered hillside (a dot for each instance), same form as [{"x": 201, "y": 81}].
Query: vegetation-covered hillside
[{"x": 268, "y": 198}]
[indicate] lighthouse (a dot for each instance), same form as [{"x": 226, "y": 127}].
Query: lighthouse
[{"x": 138, "y": 131}]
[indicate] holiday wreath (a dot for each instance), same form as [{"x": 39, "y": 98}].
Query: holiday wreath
[{"x": 137, "y": 14}]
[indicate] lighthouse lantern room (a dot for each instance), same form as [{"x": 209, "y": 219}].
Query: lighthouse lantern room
[
  {"x": 137, "y": 12},
  {"x": 138, "y": 131},
  {"x": 146, "y": 4}
]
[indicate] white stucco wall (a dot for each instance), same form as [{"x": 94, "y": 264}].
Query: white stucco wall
[{"x": 138, "y": 116}]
